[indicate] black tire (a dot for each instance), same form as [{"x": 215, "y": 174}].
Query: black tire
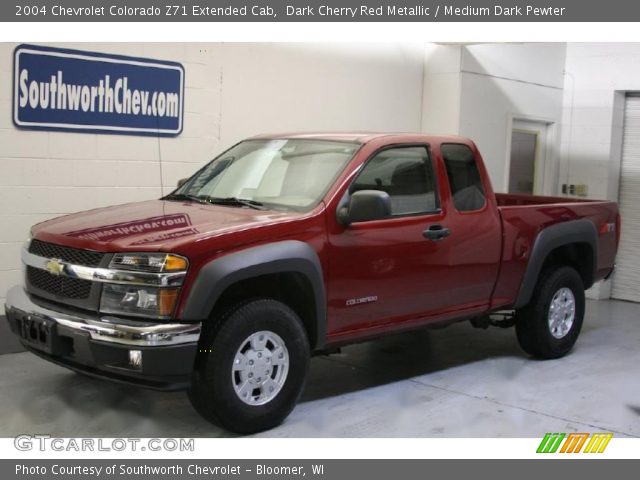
[
  {"x": 532, "y": 324},
  {"x": 212, "y": 391}
]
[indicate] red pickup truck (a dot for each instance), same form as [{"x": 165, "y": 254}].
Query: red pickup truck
[{"x": 285, "y": 246}]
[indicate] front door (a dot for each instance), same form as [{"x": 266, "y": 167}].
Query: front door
[{"x": 395, "y": 271}]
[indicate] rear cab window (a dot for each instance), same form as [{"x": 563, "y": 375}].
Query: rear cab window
[{"x": 466, "y": 186}]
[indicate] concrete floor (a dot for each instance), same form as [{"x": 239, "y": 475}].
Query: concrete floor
[{"x": 454, "y": 382}]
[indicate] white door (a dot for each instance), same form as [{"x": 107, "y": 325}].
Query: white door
[
  {"x": 626, "y": 280},
  {"x": 528, "y": 157}
]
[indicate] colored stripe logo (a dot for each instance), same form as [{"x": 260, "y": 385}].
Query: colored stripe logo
[{"x": 574, "y": 443}]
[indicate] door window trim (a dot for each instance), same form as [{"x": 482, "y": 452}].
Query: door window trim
[{"x": 436, "y": 186}]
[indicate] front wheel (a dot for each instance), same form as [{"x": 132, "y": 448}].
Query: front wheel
[
  {"x": 549, "y": 326},
  {"x": 251, "y": 367}
]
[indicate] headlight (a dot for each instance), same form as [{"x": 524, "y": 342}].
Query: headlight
[
  {"x": 138, "y": 301},
  {"x": 149, "y": 262},
  {"x": 144, "y": 300}
]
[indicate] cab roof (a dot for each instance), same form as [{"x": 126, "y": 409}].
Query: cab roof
[{"x": 362, "y": 137}]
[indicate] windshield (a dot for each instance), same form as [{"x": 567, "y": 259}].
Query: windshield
[{"x": 282, "y": 174}]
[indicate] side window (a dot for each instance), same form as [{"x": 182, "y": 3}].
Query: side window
[
  {"x": 464, "y": 177},
  {"x": 406, "y": 174}
]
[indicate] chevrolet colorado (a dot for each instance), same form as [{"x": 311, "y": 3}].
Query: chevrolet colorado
[{"x": 290, "y": 245}]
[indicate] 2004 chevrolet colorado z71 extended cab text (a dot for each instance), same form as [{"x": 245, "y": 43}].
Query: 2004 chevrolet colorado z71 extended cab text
[{"x": 290, "y": 245}]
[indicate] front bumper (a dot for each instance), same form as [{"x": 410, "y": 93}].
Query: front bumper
[{"x": 101, "y": 346}]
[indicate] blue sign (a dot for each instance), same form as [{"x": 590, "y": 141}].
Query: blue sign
[{"x": 61, "y": 89}]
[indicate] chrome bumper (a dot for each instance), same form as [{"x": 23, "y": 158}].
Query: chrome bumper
[{"x": 107, "y": 329}]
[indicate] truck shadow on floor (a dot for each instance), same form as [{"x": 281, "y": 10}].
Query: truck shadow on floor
[
  {"x": 76, "y": 405},
  {"x": 405, "y": 356}
]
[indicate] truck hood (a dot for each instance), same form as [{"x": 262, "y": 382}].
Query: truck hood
[{"x": 154, "y": 225}]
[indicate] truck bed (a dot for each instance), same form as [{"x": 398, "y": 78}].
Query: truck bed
[{"x": 525, "y": 216}]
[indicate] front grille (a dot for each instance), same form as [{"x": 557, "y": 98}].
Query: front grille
[
  {"x": 74, "y": 256},
  {"x": 66, "y": 287}
]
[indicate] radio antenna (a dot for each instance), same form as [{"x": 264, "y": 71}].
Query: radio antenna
[{"x": 159, "y": 156}]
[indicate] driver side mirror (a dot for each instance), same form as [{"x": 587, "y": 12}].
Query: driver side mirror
[
  {"x": 182, "y": 181},
  {"x": 364, "y": 206}
]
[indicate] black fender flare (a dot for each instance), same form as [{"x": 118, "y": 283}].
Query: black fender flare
[
  {"x": 550, "y": 238},
  {"x": 278, "y": 257}
]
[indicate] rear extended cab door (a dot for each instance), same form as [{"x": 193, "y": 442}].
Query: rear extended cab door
[{"x": 390, "y": 273}]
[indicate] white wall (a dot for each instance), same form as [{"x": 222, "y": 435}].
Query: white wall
[
  {"x": 597, "y": 75},
  {"x": 477, "y": 90},
  {"x": 593, "y": 110},
  {"x": 502, "y": 82},
  {"x": 441, "y": 94},
  {"x": 232, "y": 91},
  {"x": 283, "y": 87}
]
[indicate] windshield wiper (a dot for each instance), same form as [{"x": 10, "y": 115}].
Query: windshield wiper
[
  {"x": 185, "y": 196},
  {"x": 234, "y": 201}
]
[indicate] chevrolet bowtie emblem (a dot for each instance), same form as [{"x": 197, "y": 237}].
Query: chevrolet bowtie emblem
[{"x": 54, "y": 267}]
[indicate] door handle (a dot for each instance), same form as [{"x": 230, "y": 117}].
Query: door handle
[{"x": 436, "y": 232}]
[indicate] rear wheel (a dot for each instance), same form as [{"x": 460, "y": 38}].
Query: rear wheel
[
  {"x": 251, "y": 367},
  {"x": 549, "y": 326}
]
